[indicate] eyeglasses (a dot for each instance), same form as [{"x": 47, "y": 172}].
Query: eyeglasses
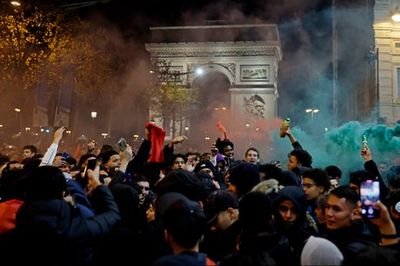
[{"x": 145, "y": 188}]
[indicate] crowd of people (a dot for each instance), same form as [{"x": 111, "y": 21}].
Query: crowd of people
[{"x": 159, "y": 207}]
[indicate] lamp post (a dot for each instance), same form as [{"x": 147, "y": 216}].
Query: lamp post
[
  {"x": 312, "y": 111},
  {"x": 373, "y": 57},
  {"x": 18, "y": 111},
  {"x": 93, "y": 115}
]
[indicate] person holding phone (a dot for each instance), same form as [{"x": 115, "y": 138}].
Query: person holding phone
[
  {"x": 345, "y": 227},
  {"x": 372, "y": 168}
]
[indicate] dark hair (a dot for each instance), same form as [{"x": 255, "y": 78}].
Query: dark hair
[
  {"x": 107, "y": 155},
  {"x": 32, "y": 148},
  {"x": 333, "y": 171},
  {"x": 185, "y": 223},
  {"x": 357, "y": 177},
  {"x": 270, "y": 170},
  {"x": 303, "y": 157},
  {"x": 84, "y": 158},
  {"x": 11, "y": 185},
  {"x": 319, "y": 176},
  {"x": 140, "y": 178},
  {"x": 177, "y": 155},
  {"x": 45, "y": 183},
  {"x": 105, "y": 148},
  {"x": 347, "y": 193},
  {"x": 221, "y": 144},
  {"x": 255, "y": 210},
  {"x": 183, "y": 182}
]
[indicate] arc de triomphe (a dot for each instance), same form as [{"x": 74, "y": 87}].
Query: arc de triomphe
[{"x": 246, "y": 55}]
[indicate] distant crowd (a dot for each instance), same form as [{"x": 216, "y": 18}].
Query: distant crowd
[{"x": 107, "y": 205}]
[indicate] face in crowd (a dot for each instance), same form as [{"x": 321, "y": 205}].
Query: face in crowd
[
  {"x": 252, "y": 156},
  {"x": 27, "y": 153},
  {"x": 292, "y": 162},
  {"x": 228, "y": 151},
  {"x": 179, "y": 163},
  {"x": 113, "y": 163},
  {"x": 288, "y": 212},
  {"x": 339, "y": 213}
]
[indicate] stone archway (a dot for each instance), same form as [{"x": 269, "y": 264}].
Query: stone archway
[
  {"x": 213, "y": 103},
  {"x": 246, "y": 56}
]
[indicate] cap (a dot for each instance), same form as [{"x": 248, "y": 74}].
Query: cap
[
  {"x": 166, "y": 200},
  {"x": 202, "y": 165}
]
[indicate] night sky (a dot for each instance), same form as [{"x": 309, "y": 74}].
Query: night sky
[{"x": 304, "y": 27}]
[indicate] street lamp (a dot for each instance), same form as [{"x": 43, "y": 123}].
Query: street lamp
[
  {"x": 395, "y": 14},
  {"x": 18, "y": 111},
  {"x": 15, "y": 3},
  {"x": 93, "y": 115},
  {"x": 199, "y": 71},
  {"x": 312, "y": 111}
]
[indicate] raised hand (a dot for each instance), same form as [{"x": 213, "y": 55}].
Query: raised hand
[
  {"x": 178, "y": 139},
  {"x": 58, "y": 134}
]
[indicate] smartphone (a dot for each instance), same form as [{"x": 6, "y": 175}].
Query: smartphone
[
  {"x": 122, "y": 144},
  {"x": 91, "y": 164},
  {"x": 369, "y": 193}
]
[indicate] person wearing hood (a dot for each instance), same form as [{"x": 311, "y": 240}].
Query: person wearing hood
[{"x": 291, "y": 220}]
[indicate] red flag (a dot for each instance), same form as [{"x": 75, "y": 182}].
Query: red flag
[{"x": 157, "y": 135}]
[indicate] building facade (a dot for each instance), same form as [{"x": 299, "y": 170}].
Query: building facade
[{"x": 387, "y": 40}]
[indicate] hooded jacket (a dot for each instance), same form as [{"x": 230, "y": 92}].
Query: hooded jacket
[
  {"x": 300, "y": 230},
  {"x": 53, "y": 232}
]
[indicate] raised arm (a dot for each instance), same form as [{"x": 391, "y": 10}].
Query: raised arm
[
  {"x": 296, "y": 145},
  {"x": 371, "y": 167},
  {"x": 51, "y": 152},
  {"x": 142, "y": 154}
]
